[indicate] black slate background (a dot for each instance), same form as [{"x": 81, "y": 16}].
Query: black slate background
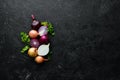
[{"x": 86, "y": 45}]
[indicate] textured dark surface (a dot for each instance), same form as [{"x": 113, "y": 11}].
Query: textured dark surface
[{"x": 86, "y": 45}]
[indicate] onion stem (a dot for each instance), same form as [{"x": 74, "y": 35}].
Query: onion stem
[{"x": 33, "y": 17}]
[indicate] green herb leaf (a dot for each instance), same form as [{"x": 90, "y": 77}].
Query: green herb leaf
[
  {"x": 51, "y": 29},
  {"x": 24, "y": 37},
  {"x": 25, "y": 48},
  {"x": 44, "y": 23}
]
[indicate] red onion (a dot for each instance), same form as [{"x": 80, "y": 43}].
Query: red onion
[
  {"x": 44, "y": 39},
  {"x": 35, "y": 24},
  {"x": 43, "y": 30},
  {"x": 34, "y": 43}
]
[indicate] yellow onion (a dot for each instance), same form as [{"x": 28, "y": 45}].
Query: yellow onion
[
  {"x": 32, "y": 52},
  {"x": 40, "y": 59}
]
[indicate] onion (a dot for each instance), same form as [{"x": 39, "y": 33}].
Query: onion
[
  {"x": 43, "y": 50},
  {"x": 35, "y": 24},
  {"x": 34, "y": 43},
  {"x": 32, "y": 52},
  {"x": 33, "y": 33},
  {"x": 42, "y": 30},
  {"x": 40, "y": 59},
  {"x": 44, "y": 39}
]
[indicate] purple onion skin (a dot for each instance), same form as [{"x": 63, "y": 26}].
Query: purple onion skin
[
  {"x": 44, "y": 39},
  {"x": 35, "y": 25},
  {"x": 34, "y": 43}
]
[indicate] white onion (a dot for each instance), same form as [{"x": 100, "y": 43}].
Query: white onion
[{"x": 43, "y": 50}]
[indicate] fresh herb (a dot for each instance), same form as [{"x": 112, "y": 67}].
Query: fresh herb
[
  {"x": 50, "y": 27},
  {"x": 24, "y": 37},
  {"x": 25, "y": 48},
  {"x": 45, "y": 23}
]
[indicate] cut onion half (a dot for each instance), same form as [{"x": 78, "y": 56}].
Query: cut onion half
[{"x": 43, "y": 50}]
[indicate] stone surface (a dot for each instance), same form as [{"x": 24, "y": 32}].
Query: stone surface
[{"x": 86, "y": 45}]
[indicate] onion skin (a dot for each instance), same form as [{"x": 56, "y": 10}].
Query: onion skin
[
  {"x": 40, "y": 59},
  {"x": 44, "y": 39},
  {"x": 32, "y": 52},
  {"x": 33, "y": 33}
]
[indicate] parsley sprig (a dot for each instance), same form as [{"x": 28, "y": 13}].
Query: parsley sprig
[
  {"x": 25, "y": 48},
  {"x": 25, "y": 39}
]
